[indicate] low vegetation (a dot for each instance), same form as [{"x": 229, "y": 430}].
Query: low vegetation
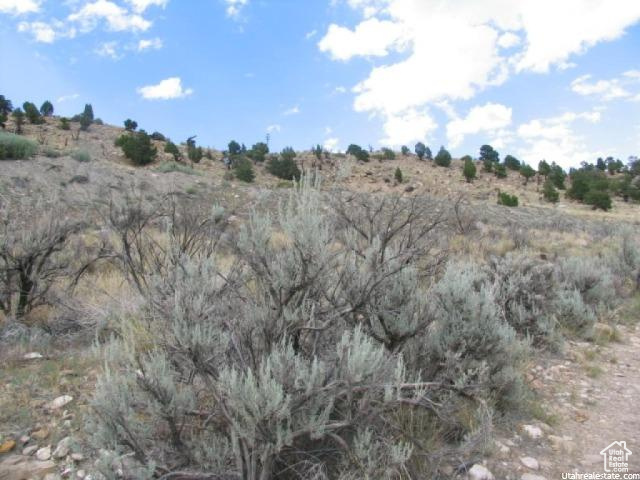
[{"x": 15, "y": 147}]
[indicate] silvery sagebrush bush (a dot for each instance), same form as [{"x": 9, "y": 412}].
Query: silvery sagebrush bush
[{"x": 266, "y": 368}]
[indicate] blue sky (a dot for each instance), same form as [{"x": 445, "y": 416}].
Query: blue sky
[{"x": 535, "y": 78}]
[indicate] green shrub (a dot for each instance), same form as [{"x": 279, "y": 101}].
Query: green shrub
[
  {"x": 81, "y": 156},
  {"x": 443, "y": 158},
  {"x": 557, "y": 176},
  {"x": 15, "y": 147},
  {"x": 157, "y": 136},
  {"x": 544, "y": 168},
  {"x": 168, "y": 167},
  {"x": 511, "y": 162},
  {"x": 283, "y": 167},
  {"x": 507, "y": 200},
  {"x": 64, "y": 124},
  {"x": 549, "y": 192},
  {"x": 194, "y": 153},
  {"x": 469, "y": 170},
  {"x": 598, "y": 199},
  {"x": 137, "y": 147},
  {"x": 358, "y": 152},
  {"x": 398, "y": 175},
  {"x": 258, "y": 152},
  {"x": 50, "y": 152},
  {"x": 388, "y": 154},
  {"x": 500, "y": 171},
  {"x": 243, "y": 170},
  {"x": 405, "y": 151},
  {"x": 86, "y": 117},
  {"x": 172, "y": 148},
  {"x": 130, "y": 125}
]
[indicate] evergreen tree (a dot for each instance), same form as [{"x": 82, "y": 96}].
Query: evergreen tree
[
  {"x": 420, "y": 150},
  {"x": 18, "y": 118},
  {"x": 130, "y": 125},
  {"x": 405, "y": 151},
  {"x": 258, "y": 152},
  {"x": 527, "y": 172},
  {"x": 549, "y": 191},
  {"x": 64, "y": 124},
  {"x": 317, "y": 151},
  {"x": 443, "y": 158},
  {"x": 557, "y": 176},
  {"x": 398, "y": 175},
  {"x": 86, "y": 117},
  {"x": 544, "y": 168},
  {"x": 234, "y": 148},
  {"x": 32, "y": 113},
  {"x": 46, "y": 109},
  {"x": 500, "y": 171},
  {"x": 172, "y": 148},
  {"x": 358, "y": 152},
  {"x": 511, "y": 162},
  {"x": 137, "y": 147},
  {"x": 244, "y": 170},
  {"x": 469, "y": 170}
]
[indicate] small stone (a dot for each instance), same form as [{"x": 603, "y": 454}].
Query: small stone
[
  {"x": 32, "y": 356},
  {"x": 63, "y": 448},
  {"x": 40, "y": 434},
  {"x": 530, "y": 462},
  {"x": 479, "y": 472},
  {"x": 30, "y": 450},
  {"x": 7, "y": 446},
  {"x": 43, "y": 453},
  {"x": 24, "y": 439},
  {"x": 60, "y": 402},
  {"x": 532, "y": 431},
  {"x": 81, "y": 474},
  {"x": 17, "y": 467},
  {"x": 77, "y": 457},
  {"x": 410, "y": 189}
]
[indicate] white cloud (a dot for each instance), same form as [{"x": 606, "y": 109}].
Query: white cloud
[
  {"x": 234, "y": 7},
  {"x": 311, "y": 34},
  {"x": 292, "y": 111},
  {"x": 117, "y": 18},
  {"x": 66, "y": 98},
  {"x": 604, "y": 89},
  {"x": 167, "y": 89},
  {"x": 634, "y": 74},
  {"x": 406, "y": 127},
  {"x": 457, "y": 48},
  {"x": 140, "y": 6},
  {"x": 509, "y": 40},
  {"x": 331, "y": 144},
  {"x": 41, "y": 31},
  {"x": 371, "y": 38},
  {"x": 274, "y": 128},
  {"x": 489, "y": 118},
  {"x": 149, "y": 44},
  {"x": 108, "y": 49},
  {"x": 340, "y": 89},
  {"x": 554, "y": 139},
  {"x": 19, "y": 7}
]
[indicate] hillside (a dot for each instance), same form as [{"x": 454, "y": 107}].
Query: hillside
[{"x": 153, "y": 319}]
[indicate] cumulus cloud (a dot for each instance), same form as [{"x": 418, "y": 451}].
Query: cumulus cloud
[
  {"x": 371, "y": 38},
  {"x": 489, "y": 118},
  {"x": 167, "y": 89},
  {"x": 140, "y": 6},
  {"x": 40, "y": 31},
  {"x": 453, "y": 50},
  {"x": 149, "y": 44},
  {"x": 406, "y": 127},
  {"x": 611, "y": 89},
  {"x": 331, "y": 144},
  {"x": 555, "y": 139},
  {"x": 274, "y": 128},
  {"x": 234, "y": 7},
  {"x": 19, "y": 7},
  {"x": 311, "y": 34},
  {"x": 116, "y": 18},
  {"x": 67, "y": 98}
]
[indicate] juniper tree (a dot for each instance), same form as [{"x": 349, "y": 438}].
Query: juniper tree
[
  {"x": 46, "y": 109},
  {"x": 420, "y": 150},
  {"x": 32, "y": 113},
  {"x": 18, "y": 119},
  {"x": 469, "y": 170},
  {"x": 443, "y": 158}
]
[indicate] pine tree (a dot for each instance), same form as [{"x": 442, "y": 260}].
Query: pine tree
[{"x": 469, "y": 170}]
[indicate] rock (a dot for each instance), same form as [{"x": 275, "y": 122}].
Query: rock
[
  {"x": 43, "y": 453},
  {"x": 40, "y": 434},
  {"x": 77, "y": 457},
  {"x": 51, "y": 476},
  {"x": 16, "y": 467},
  {"x": 531, "y": 476},
  {"x": 64, "y": 448},
  {"x": 410, "y": 189},
  {"x": 32, "y": 356},
  {"x": 530, "y": 462},
  {"x": 7, "y": 446},
  {"x": 561, "y": 444},
  {"x": 30, "y": 450},
  {"x": 81, "y": 474},
  {"x": 60, "y": 402},
  {"x": 479, "y": 472},
  {"x": 532, "y": 431},
  {"x": 24, "y": 439}
]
